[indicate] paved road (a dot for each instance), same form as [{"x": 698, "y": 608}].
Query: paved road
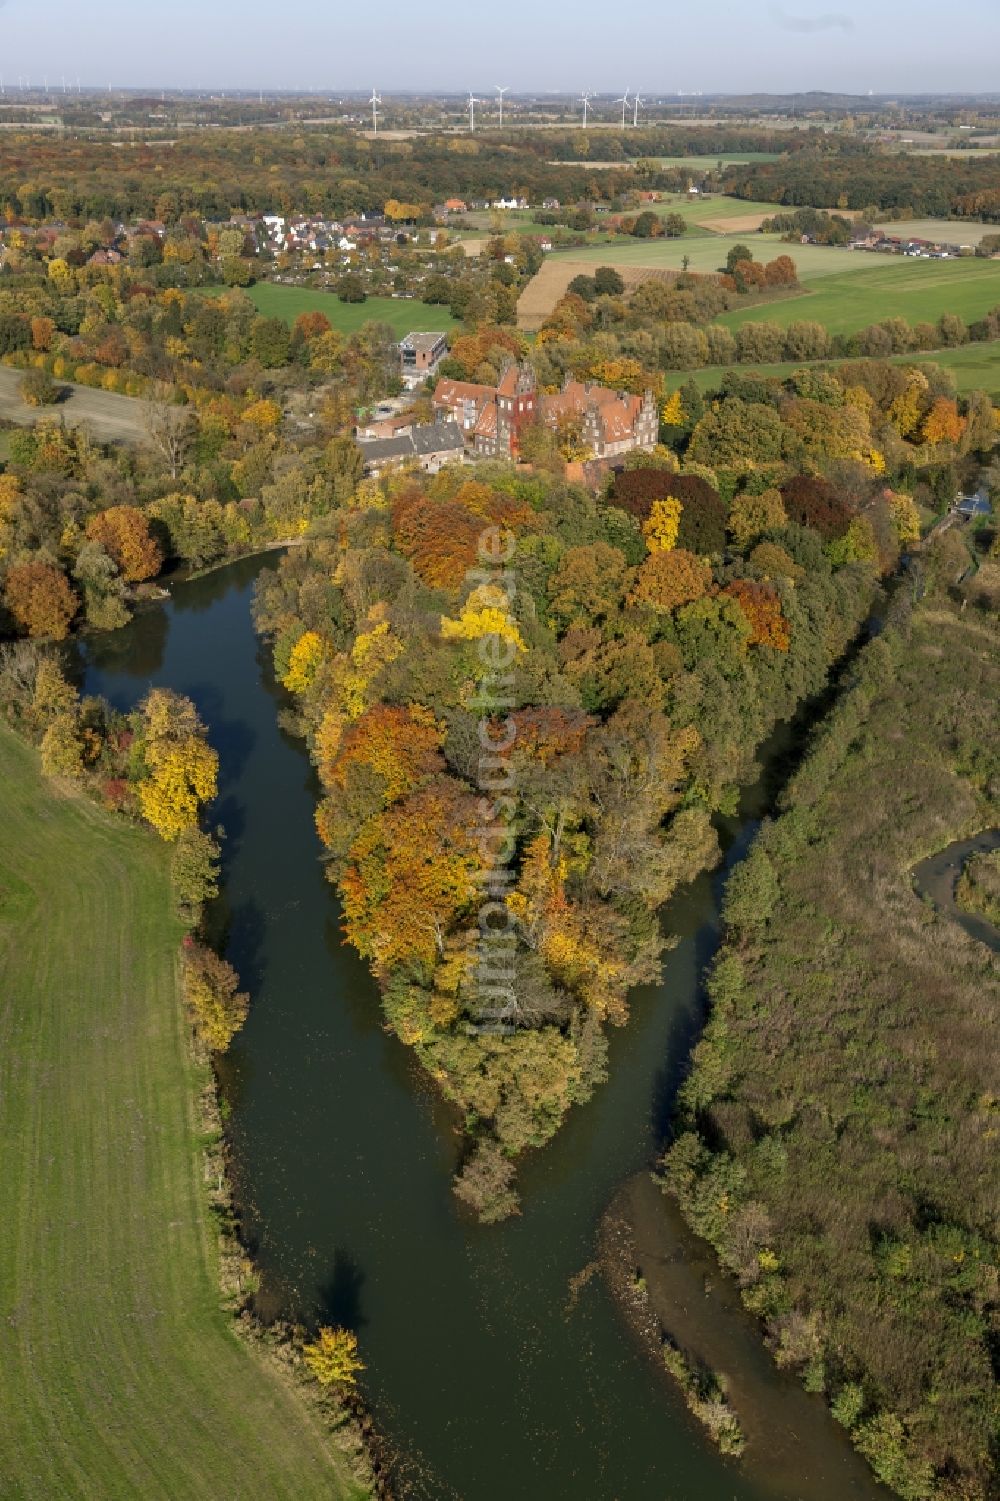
[{"x": 106, "y": 415}]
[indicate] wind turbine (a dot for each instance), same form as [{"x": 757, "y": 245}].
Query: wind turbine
[
  {"x": 501, "y": 92},
  {"x": 623, "y": 101},
  {"x": 586, "y": 106},
  {"x": 375, "y": 101},
  {"x": 473, "y": 101},
  {"x": 635, "y": 117}
]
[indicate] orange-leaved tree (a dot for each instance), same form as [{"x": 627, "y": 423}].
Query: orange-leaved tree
[
  {"x": 667, "y": 580},
  {"x": 761, "y": 605},
  {"x": 123, "y": 532},
  {"x": 943, "y": 424},
  {"x": 40, "y": 599},
  {"x": 410, "y": 874},
  {"x": 396, "y": 748}
]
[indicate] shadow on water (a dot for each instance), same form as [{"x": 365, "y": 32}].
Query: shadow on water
[
  {"x": 339, "y": 1298},
  {"x": 481, "y": 1368}
]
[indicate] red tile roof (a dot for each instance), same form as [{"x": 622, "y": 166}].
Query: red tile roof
[
  {"x": 486, "y": 426},
  {"x": 454, "y": 392},
  {"x": 618, "y": 414}
]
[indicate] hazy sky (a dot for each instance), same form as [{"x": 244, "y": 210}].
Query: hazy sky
[{"x": 654, "y": 45}]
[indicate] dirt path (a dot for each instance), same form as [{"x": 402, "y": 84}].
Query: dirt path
[{"x": 106, "y": 415}]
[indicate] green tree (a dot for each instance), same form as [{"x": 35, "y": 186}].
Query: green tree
[
  {"x": 270, "y": 340},
  {"x": 38, "y": 389},
  {"x": 607, "y": 282},
  {"x": 737, "y": 253},
  {"x": 194, "y": 873}
]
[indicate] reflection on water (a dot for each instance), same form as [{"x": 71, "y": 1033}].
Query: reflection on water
[{"x": 344, "y": 1156}]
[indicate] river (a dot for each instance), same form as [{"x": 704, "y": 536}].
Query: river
[
  {"x": 937, "y": 879},
  {"x": 481, "y": 1370}
]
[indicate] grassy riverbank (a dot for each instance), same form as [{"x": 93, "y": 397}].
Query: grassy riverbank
[
  {"x": 121, "y": 1373},
  {"x": 841, "y": 1112}
]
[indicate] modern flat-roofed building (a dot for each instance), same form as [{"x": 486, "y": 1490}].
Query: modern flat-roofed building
[{"x": 420, "y": 355}]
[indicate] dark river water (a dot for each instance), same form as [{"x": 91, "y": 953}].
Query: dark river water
[
  {"x": 478, "y": 1370},
  {"x": 937, "y": 879}
]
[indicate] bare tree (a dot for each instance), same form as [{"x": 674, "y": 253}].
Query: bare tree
[{"x": 169, "y": 428}]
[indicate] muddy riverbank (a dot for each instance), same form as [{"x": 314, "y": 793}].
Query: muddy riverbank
[{"x": 666, "y": 1281}]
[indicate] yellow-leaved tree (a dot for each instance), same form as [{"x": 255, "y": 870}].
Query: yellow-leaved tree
[
  {"x": 660, "y": 531},
  {"x": 211, "y": 988},
  {"x": 905, "y": 516},
  {"x": 672, "y": 412},
  {"x": 333, "y": 1357},
  {"x": 485, "y": 613},
  {"x": 183, "y": 768},
  {"x": 304, "y": 662}
]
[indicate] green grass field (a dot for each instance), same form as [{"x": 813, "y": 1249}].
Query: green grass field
[
  {"x": 896, "y": 287},
  {"x": 697, "y": 213},
  {"x": 727, "y": 158},
  {"x": 402, "y": 315},
  {"x": 707, "y": 252},
  {"x": 120, "y": 1373},
  {"x": 844, "y": 289},
  {"x": 705, "y": 161},
  {"x": 974, "y": 366}
]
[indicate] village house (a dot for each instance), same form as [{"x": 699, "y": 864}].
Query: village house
[
  {"x": 430, "y": 447},
  {"x": 388, "y": 420},
  {"x": 610, "y": 423},
  {"x": 108, "y": 257}
]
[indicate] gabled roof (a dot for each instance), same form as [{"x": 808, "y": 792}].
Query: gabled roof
[
  {"x": 486, "y": 424},
  {"x": 617, "y": 413},
  {"x": 438, "y": 437},
  {"x": 433, "y": 437},
  {"x": 387, "y": 448},
  {"x": 454, "y": 392}
]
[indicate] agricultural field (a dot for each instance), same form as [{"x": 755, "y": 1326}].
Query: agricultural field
[
  {"x": 713, "y": 213},
  {"x": 122, "y": 1372},
  {"x": 704, "y": 214},
  {"x": 950, "y": 231},
  {"x": 843, "y": 289},
  {"x": 403, "y": 315},
  {"x": 696, "y": 163},
  {"x": 974, "y": 367},
  {"x": 871, "y": 288},
  {"x": 728, "y": 159},
  {"x": 707, "y": 253},
  {"x": 637, "y": 260}
]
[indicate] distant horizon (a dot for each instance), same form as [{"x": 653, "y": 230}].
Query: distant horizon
[
  {"x": 360, "y": 92},
  {"x": 906, "y": 47}
]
